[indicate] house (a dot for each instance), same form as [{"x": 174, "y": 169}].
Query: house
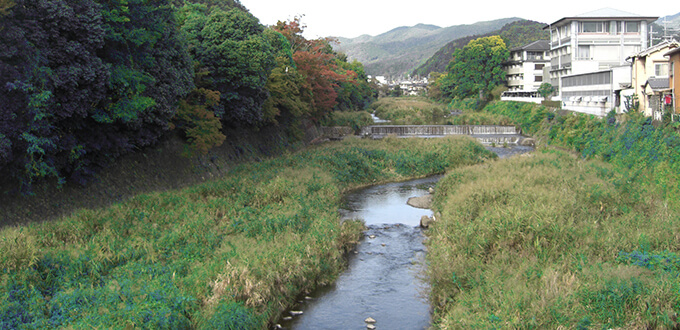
[
  {"x": 650, "y": 77},
  {"x": 673, "y": 80},
  {"x": 588, "y": 55},
  {"x": 524, "y": 69}
]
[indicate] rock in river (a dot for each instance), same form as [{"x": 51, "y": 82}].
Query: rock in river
[
  {"x": 425, "y": 221},
  {"x": 423, "y": 202}
]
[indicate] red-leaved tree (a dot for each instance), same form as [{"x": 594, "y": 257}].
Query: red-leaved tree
[{"x": 317, "y": 63}]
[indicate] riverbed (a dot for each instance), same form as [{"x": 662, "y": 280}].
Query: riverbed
[{"x": 383, "y": 280}]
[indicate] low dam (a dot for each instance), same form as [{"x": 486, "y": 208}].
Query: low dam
[
  {"x": 431, "y": 130},
  {"x": 487, "y": 134}
]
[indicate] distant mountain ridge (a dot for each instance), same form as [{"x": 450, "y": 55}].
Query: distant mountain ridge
[
  {"x": 515, "y": 34},
  {"x": 673, "y": 21},
  {"x": 399, "y": 51}
]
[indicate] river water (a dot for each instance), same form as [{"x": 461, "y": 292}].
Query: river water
[{"x": 383, "y": 279}]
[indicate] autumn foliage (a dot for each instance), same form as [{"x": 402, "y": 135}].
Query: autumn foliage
[
  {"x": 84, "y": 82},
  {"x": 318, "y": 65}
]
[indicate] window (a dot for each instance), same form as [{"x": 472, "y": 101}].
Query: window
[
  {"x": 583, "y": 52},
  {"x": 661, "y": 69},
  {"x": 613, "y": 27},
  {"x": 594, "y": 27},
  {"x": 539, "y": 78},
  {"x": 539, "y": 66},
  {"x": 632, "y": 27}
]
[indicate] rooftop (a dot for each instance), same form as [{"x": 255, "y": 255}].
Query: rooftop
[
  {"x": 538, "y": 45},
  {"x": 604, "y": 13},
  {"x": 658, "y": 84}
]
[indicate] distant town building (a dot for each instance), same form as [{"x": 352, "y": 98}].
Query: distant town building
[
  {"x": 525, "y": 67},
  {"x": 650, "y": 77},
  {"x": 673, "y": 80},
  {"x": 588, "y": 55}
]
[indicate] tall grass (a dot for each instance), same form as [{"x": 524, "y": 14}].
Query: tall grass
[
  {"x": 409, "y": 111},
  {"x": 552, "y": 241},
  {"x": 231, "y": 253},
  {"x": 354, "y": 119},
  {"x": 558, "y": 240}
]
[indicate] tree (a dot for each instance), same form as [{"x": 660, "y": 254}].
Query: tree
[
  {"x": 317, "y": 63},
  {"x": 236, "y": 58},
  {"x": 357, "y": 93},
  {"x": 288, "y": 99},
  {"x": 476, "y": 68},
  {"x": 84, "y": 82},
  {"x": 546, "y": 90}
]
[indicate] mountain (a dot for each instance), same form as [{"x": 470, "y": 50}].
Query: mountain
[
  {"x": 672, "y": 21},
  {"x": 515, "y": 34},
  {"x": 399, "y": 51},
  {"x": 667, "y": 26}
]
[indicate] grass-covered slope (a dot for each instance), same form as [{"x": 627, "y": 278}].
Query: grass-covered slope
[
  {"x": 582, "y": 238},
  {"x": 411, "y": 110},
  {"x": 552, "y": 241},
  {"x": 226, "y": 254}
]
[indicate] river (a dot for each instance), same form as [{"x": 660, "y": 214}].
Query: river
[{"x": 384, "y": 275}]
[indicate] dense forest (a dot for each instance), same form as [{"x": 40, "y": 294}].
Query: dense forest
[
  {"x": 83, "y": 82},
  {"x": 515, "y": 34}
]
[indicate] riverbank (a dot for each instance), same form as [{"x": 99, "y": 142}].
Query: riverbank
[
  {"x": 232, "y": 251},
  {"x": 163, "y": 167},
  {"x": 583, "y": 238}
]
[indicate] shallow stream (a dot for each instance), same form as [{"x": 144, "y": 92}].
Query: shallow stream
[{"x": 384, "y": 275}]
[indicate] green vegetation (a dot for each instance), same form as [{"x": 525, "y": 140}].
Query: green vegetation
[
  {"x": 412, "y": 110},
  {"x": 553, "y": 240},
  {"x": 230, "y": 253},
  {"x": 354, "y": 119},
  {"x": 85, "y": 82},
  {"x": 475, "y": 69},
  {"x": 515, "y": 34},
  {"x": 546, "y": 90}
]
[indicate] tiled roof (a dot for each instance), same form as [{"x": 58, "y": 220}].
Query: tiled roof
[
  {"x": 658, "y": 83},
  {"x": 538, "y": 45},
  {"x": 669, "y": 44}
]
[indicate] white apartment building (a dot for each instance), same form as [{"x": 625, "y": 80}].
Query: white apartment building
[
  {"x": 524, "y": 69},
  {"x": 589, "y": 48}
]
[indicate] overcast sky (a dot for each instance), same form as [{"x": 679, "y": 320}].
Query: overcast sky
[{"x": 352, "y": 18}]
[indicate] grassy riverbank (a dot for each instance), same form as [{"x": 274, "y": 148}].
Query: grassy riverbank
[
  {"x": 228, "y": 253},
  {"x": 557, "y": 240},
  {"x": 410, "y": 110}
]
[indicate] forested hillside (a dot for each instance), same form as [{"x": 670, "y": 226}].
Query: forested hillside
[
  {"x": 83, "y": 82},
  {"x": 515, "y": 34},
  {"x": 399, "y": 51}
]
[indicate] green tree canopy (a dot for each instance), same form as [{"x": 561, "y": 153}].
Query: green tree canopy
[
  {"x": 234, "y": 57},
  {"x": 476, "y": 68}
]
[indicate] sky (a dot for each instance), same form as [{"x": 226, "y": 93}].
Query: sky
[{"x": 352, "y": 18}]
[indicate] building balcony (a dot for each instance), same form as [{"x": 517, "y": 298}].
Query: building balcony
[
  {"x": 512, "y": 71},
  {"x": 515, "y": 82}
]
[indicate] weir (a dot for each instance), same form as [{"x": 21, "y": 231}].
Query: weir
[
  {"x": 413, "y": 130},
  {"x": 487, "y": 134}
]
